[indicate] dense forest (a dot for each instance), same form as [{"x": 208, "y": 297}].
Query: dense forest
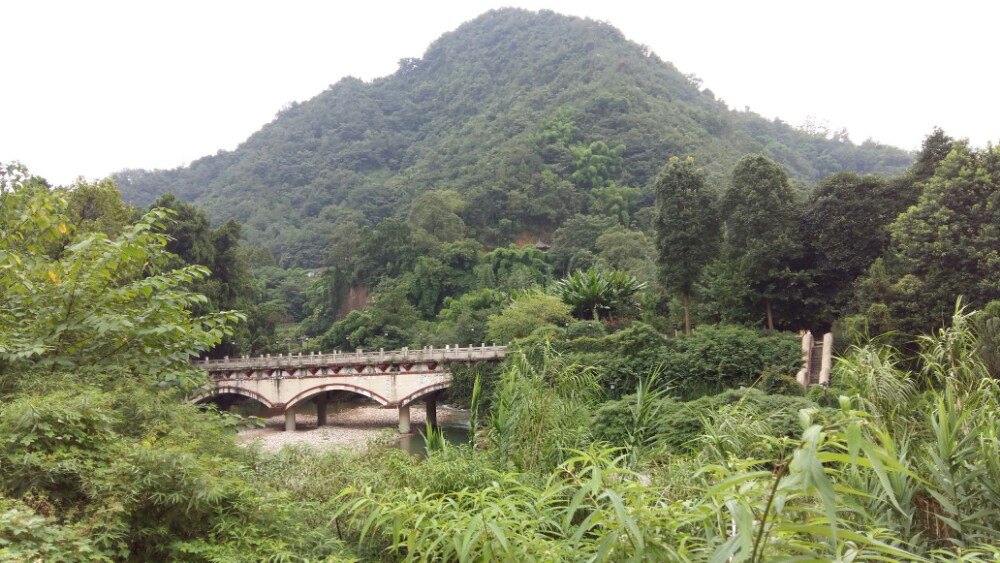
[
  {"x": 531, "y": 118},
  {"x": 535, "y": 180}
]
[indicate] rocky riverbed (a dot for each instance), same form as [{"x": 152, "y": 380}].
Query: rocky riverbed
[{"x": 354, "y": 428}]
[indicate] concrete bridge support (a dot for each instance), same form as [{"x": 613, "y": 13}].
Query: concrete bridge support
[
  {"x": 321, "y": 403},
  {"x": 404, "y": 420},
  {"x": 431, "y": 410},
  {"x": 290, "y": 419}
]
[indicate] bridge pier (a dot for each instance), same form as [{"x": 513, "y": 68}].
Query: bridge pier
[
  {"x": 290, "y": 419},
  {"x": 404, "y": 420},
  {"x": 321, "y": 402},
  {"x": 431, "y": 410}
]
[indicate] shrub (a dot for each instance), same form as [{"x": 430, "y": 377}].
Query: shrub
[
  {"x": 632, "y": 353},
  {"x": 463, "y": 377},
  {"x": 27, "y": 536},
  {"x": 525, "y": 315},
  {"x": 822, "y": 396},
  {"x": 680, "y": 423},
  {"x": 776, "y": 382},
  {"x": 589, "y": 329},
  {"x": 726, "y": 356}
]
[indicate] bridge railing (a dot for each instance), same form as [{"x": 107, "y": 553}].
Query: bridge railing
[{"x": 405, "y": 355}]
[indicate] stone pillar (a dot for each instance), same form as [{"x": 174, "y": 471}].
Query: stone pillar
[
  {"x": 404, "y": 420},
  {"x": 807, "y": 344},
  {"x": 431, "y": 406},
  {"x": 826, "y": 365},
  {"x": 321, "y": 410},
  {"x": 290, "y": 419}
]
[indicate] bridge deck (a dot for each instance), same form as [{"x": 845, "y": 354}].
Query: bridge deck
[
  {"x": 395, "y": 379},
  {"x": 404, "y": 356}
]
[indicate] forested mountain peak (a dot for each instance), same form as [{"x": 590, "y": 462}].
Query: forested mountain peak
[{"x": 531, "y": 117}]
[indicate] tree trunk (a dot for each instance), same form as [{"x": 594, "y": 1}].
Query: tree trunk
[
  {"x": 770, "y": 317},
  {"x": 596, "y": 315},
  {"x": 687, "y": 314}
]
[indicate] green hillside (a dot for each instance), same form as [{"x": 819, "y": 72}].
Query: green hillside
[{"x": 530, "y": 117}]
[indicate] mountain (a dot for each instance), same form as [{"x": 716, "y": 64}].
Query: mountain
[{"x": 530, "y": 116}]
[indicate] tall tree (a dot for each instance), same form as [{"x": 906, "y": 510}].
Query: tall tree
[
  {"x": 97, "y": 207},
  {"x": 950, "y": 240},
  {"x": 845, "y": 226},
  {"x": 687, "y": 228},
  {"x": 192, "y": 240},
  {"x": 98, "y": 301},
  {"x": 760, "y": 212},
  {"x": 936, "y": 147}
]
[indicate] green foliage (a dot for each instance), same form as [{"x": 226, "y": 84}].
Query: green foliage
[
  {"x": 592, "y": 292},
  {"x": 585, "y": 329},
  {"x": 97, "y": 207},
  {"x": 192, "y": 241},
  {"x": 524, "y": 315},
  {"x": 617, "y": 202},
  {"x": 760, "y": 218},
  {"x": 596, "y": 165},
  {"x": 389, "y": 322},
  {"x": 509, "y": 268},
  {"x": 988, "y": 331},
  {"x": 28, "y": 536},
  {"x": 678, "y": 426},
  {"x": 434, "y": 218},
  {"x": 66, "y": 303},
  {"x": 448, "y": 273},
  {"x": 464, "y": 320},
  {"x": 687, "y": 227},
  {"x": 777, "y": 382},
  {"x": 540, "y": 409},
  {"x": 948, "y": 240},
  {"x": 619, "y": 248},
  {"x": 719, "y": 357},
  {"x": 574, "y": 244},
  {"x": 845, "y": 226}
]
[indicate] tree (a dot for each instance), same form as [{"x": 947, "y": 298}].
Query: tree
[
  {"x": 760, "y": 214},
  {"x": 617, "y": 202},
  {"x": 576, "y": 236},
  {"x": 593, "y": 291},
  {"x": 525, "y": 315},
  {"x": 448, "y": 273},
  {"x": 845, "y": 226},
  {"x": 464, "y": 319},
  {"x": 627, "y": 250},
  {"x": 98, "y": 301},
  {"x": 596, "y": 164},
  {"x": 509, "y": 268},
  {"x": 935, "y": 148},
  {"x": 434, "y": 218},
  {"x": 687, "y": 228},
  {"x": 949, "y": 240},
  {"x": 97, "y": 206},
  {"x": 232, "y": 285},
  {"x": 386, "y": 251}
]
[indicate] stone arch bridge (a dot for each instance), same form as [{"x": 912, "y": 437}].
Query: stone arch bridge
[{"x": 395, "y": 379}]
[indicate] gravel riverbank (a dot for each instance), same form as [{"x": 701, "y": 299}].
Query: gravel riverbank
[{"x": 352, "y": 428}]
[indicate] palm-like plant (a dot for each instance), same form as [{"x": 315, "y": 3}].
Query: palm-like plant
[{"x": 592, "y": 291}]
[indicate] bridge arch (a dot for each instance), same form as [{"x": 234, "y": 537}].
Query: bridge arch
[
  {"x": 421, "y": 393},
  {"x": 231, "y": 390},
  {"x": 313, "y": 391}
]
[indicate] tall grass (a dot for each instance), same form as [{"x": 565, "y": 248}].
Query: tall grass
[{"x": 905, "y": 470}]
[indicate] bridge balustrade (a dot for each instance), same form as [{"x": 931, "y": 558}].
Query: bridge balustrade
[{"x": 428, "y": 354}]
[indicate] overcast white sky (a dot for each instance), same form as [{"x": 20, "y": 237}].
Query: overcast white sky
[{"x": 92, "y": 87}]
